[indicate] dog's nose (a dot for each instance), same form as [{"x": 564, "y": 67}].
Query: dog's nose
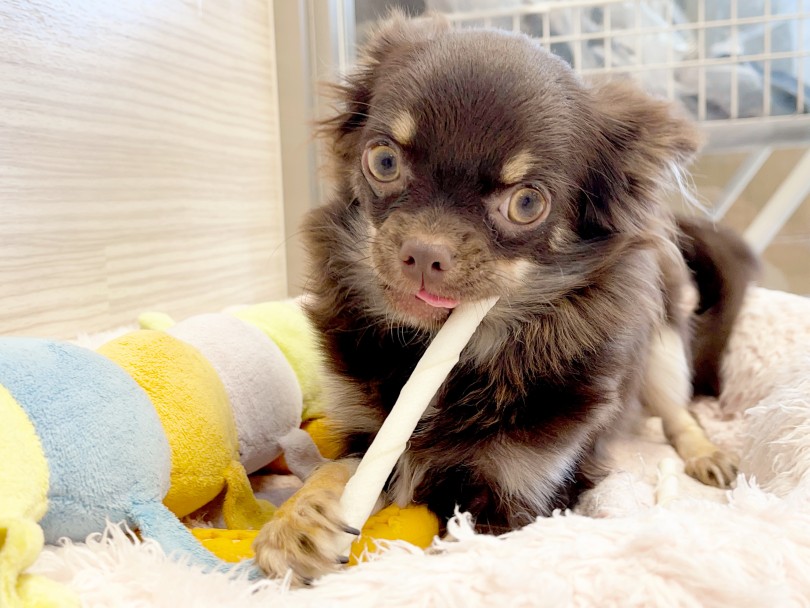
[{"x": 425, "y": 261}]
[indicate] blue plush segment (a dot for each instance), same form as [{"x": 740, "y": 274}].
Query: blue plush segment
[
  {"x": 156, "y": 521},
  {"x": 104, "y": 443}
]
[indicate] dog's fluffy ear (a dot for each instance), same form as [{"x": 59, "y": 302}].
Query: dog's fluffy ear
[
  {"x": 387, "y": 44},
  {"x": 643, "y": 145},
  {"x": 398, "y": 34}
]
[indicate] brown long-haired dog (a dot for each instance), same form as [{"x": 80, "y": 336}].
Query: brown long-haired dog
[{"x": 472, "y": 164}]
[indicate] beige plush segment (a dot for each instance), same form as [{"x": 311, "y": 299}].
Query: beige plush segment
[{"x": 261, "y": 386}]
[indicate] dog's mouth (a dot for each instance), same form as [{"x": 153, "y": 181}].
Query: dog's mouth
[
  {"x": 420, "y": 307},
  {"x": 435, "y": 300}
]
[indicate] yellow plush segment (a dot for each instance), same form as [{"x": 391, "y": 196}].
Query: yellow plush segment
[
  {"x": 196, "y": 416},
  {"x": 327, "y": 441},
  {"x": 415, "y": 524},
  {"x": 240, "y": 508},
  {"x": 228, "y": 545},
  {"x": 286, "y": 324},
  {"x": 23, "y": 469},
  {"x": 23, "y": 501}
]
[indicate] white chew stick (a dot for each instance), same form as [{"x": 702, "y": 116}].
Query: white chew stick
[
  {"x": 667, "y": 489},
  {"x": 441, "y": 356}
]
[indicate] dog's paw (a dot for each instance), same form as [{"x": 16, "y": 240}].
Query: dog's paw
[
  {"x": 305, "y": 533},
  {"x": 716, "y": 469}
]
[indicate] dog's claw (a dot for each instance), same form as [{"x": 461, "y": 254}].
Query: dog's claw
[
  {"x": 351, "y": 530},
  {"x": 343, "y": 559},
  {"x": 718, "y": 469}
]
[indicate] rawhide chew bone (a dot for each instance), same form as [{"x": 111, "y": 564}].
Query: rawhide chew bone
[{"x": 441, "y": 356}]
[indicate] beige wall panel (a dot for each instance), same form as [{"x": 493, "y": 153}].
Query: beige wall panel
[
  {"x": 786, "y": 261},
  {"x": 139, "y": 161}
]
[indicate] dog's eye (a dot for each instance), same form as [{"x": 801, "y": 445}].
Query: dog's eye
[
  {"x": 526, "y": 205},
  {"x": 383, "y": 163}
]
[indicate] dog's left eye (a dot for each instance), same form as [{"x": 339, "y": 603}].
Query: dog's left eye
[
  {"x": 525, "y": 206},
  {"x": 383, "y": 163}
]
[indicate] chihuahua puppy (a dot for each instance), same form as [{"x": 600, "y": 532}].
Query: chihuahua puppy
[{"x": 472, "y": 163}]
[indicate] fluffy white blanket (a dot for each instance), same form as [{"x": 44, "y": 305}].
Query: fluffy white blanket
[{"x": 699, "y": 547}]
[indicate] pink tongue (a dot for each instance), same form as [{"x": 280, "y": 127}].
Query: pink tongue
[{"x": 436, "y": 301}]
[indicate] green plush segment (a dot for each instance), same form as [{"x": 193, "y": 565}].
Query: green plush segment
[{"x": 286, "y": 324}]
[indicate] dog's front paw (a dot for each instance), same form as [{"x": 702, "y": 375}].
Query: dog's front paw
[
  {"x": 716, "y": 469},
  {"x": 305, "y": 533}
]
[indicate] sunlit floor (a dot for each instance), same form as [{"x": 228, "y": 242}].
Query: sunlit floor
[{"x": 787, "y": 261}]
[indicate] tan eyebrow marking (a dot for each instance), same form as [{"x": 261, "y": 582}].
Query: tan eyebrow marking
[
  {"x": 403, "y": 128},
  {"x": 517, "y": 167}
]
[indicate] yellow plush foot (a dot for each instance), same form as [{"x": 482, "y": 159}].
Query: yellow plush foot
[
  {"x": 21, "y": 541},
  {"x": 228, "y": 545},
  {"x": 240, "y": 508},
  {"x": 415, "y": 524}
]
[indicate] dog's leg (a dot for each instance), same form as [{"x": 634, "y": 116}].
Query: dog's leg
[
  {"x": 303, "y": 532},
  {"x": 666, "y": 394}
]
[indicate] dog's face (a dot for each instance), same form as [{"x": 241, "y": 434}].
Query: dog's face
[{"x": 484, "y": 166}]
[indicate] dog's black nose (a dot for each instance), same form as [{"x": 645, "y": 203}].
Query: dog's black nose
[{"x": 425, "y": 261}]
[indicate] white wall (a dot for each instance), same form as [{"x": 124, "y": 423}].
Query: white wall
[{"x": 139, "y": 161}]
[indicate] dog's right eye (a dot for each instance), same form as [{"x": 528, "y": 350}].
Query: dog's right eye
[
  {"x": 383, "y": 163},
  {"x": 526, "y": 205}
]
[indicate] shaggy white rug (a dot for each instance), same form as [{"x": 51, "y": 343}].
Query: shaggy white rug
[{"x": 701, "y": 547}]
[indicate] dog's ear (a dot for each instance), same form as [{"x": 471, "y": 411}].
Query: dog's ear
[
  {"x": 642, "y": 147},
  {"x": 390, "y": 41},
  {"x": 398, "y": 34}
]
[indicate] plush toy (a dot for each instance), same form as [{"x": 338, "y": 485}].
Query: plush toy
[
  {"x": 121, "y": 468},
  {"x": 229, "y": 545},
  {"x": 413, "y": 524},
  {"x": 193, "y": 408},
  {"x": 286, "y": 324},
  {"x": 106, "y": 452},
  {"x": 262, "y": 389},
  {"x": 23, "y": 502},
  {"x": 328, "y": 442}
]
